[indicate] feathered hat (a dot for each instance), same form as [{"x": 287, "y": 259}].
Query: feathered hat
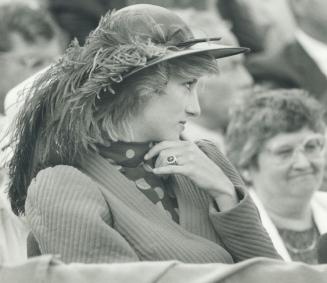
[
  {"x": 133, "y": 39},
  {"x": 160, "y": 35}
]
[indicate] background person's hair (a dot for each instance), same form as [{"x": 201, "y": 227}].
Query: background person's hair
[
  {"x": 77, "y": 18},
  {"x": 31, "y": 24},
  {"x": 78, "y": 103},
  {"x": 263, "y": 115}
]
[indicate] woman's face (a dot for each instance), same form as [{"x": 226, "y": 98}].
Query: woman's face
[
  {"x": 290, "y": 166},
  {"x": 164, "y": 116}
]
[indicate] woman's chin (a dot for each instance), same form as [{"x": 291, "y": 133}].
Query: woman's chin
[{"x": 305, "y": 185}]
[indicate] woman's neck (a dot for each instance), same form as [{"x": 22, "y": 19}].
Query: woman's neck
[
  {"x": 298, "y": 223},
  {"x": 293, "y": 215}
]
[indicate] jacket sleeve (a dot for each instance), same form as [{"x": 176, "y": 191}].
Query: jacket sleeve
[
  {"x": 68, "y": 216},
  {"x": 239, "y": 228}
]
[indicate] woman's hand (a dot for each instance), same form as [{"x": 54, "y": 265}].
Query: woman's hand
[{"x": 195, "y": 164}]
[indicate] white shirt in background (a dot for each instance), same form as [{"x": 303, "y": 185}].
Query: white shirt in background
[{"x": 317, "y": 50}]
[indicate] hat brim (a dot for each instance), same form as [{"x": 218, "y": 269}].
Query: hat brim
[{"x": 215, "y": 50}]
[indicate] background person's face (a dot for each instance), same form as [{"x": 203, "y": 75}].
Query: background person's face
[
  {"x": 219, "y": 92},
  {"x": 24, "y": 60},
  {"x": 164, "y": 116},
  {"x": 289, "y": 181}
]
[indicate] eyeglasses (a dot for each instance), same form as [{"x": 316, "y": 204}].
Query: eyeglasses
[{"x": 312, "y": 148}]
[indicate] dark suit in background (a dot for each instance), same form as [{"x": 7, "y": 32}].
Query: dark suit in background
[
  {"x": 291, "y": 67},
  {"x": 79, "y": 17}
]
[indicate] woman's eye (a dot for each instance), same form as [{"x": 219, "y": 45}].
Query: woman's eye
[
  {"x": 284, "y": 153},
  {"x": 190, "y": 84}
]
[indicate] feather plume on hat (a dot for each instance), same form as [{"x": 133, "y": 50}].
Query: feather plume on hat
[{"x": 72, "y": 86}]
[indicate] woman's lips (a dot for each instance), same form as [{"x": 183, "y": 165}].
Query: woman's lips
[{"x": 302, "y": 175}]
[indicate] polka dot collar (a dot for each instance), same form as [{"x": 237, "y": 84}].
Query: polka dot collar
[{"x": 127, "y": 154}]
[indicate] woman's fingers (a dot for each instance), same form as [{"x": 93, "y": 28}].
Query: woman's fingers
[
  {"x": 170, "y": 169},
  {"x": 185, "y": 158},
  {"x": 159, "y": 147},
  {"x": 173, "y": 153},
  {"x": 169, "y": 156},
  {"x": 172, "y": 159}
]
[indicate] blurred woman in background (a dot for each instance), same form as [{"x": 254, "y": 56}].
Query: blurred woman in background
[{"x": 276, "y": 140}]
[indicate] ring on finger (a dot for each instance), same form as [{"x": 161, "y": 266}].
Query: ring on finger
[{"x": 172, "y": 160}]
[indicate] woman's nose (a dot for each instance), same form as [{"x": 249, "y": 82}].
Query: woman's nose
[
  {"x": 193, "y": 107},
  {"x": 300, "y": 160}
]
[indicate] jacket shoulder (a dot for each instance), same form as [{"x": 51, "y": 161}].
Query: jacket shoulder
[{"x": 65, "y": 181}]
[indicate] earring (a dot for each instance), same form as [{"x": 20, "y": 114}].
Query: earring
[{"x": 246, "y": 175}]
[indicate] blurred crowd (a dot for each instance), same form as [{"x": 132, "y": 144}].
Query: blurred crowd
[{"x": 265, "y": 109}]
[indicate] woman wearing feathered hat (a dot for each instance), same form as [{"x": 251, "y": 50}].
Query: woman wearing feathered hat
[{"x": 99, "y": 167}]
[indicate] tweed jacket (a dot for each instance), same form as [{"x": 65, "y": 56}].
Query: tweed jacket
[
  {"x": 95, "y": 214},
  {"x": 291, "y": 67}
]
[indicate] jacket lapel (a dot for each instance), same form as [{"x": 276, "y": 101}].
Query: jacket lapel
[
  {"x": 270, "y": 227},
  {"x": 193, "y": 206},
  {"x": 192, "y": 203}
]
